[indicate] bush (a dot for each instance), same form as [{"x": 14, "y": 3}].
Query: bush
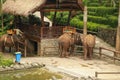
[
  {"x": 102, "y": 11},
  {"x": 90, "y": 25},
  {"x": 5, "y": 62}
]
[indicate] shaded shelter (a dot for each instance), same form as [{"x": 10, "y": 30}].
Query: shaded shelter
[{"x": 28, "y": 7}]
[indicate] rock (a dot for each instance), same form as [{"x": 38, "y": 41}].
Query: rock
[
  {"x": 35, "y": 65},
  {"x": 17, "y": 67},
  {"x": 27, "y": 66},
  {"x": 12, "y": 66},
  {"x": 22, "y": 67},
  {"x": 1, "y": 68},
  {"x": 8, "y": 68}
]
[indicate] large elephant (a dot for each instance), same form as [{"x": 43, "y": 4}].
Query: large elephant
[
  {"x": 88, "y": 43},
  {"x": 67, "y": 43},
  {"x": 10, "y": 41}
]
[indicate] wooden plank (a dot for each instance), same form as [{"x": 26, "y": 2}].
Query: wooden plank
[
  {"x": 60, "y": 10},
  {"x": 96, "y": 73}
]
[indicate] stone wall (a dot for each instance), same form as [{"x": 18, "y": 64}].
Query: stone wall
[
  {"x": 108, "y": 35},
  {"x": 49, "y": 47}
]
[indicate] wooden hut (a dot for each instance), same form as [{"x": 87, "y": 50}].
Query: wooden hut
[{"x": 29, "y": 7}]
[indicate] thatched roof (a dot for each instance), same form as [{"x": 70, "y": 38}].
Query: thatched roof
[
  {"x": 27, "y": 7},
  {"x": 22, "y": 7}
]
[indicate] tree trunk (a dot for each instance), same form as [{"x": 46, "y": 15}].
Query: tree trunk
[
  {"x": 85, "y": 21},
  {"x": 118, "y": 32},
  {"x": 2, "y": 15}
]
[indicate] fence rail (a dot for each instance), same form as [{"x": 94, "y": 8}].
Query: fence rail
[
  {"x": 114, "y": 52},
  {"x": 96, "y": 73}
]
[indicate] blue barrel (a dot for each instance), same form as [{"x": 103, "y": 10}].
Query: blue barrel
[{"x": 17, "y": 57}]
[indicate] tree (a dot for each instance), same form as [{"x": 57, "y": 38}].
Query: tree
[{"x": 118, "y": 32}]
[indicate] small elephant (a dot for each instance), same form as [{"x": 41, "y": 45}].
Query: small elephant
[
  {"x": 88, "y": 43},
  {"x": 67, "y": 43}
]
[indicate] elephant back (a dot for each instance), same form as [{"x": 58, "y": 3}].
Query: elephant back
[
  {"x": 90, "y": 40},
  {"x": 66, "y": 38}
]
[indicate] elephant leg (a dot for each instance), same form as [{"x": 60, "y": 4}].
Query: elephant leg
[
  {"x": 65, "y": 52},
  {"x": 90, "y": 52},
  {"x": 3, "y": 48},
  {"x": 85, "y": 52},
  {"x": 10, "y": 49},
  {"x": 72, "y": 50},
  {"x": 60, "y": 49}
]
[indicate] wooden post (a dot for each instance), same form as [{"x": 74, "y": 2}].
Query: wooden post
[
  {"x": 118, "y": 32},
  {"x": 25, "y": 48},
  {"x": 85, "y": 21},
  {"x": 69, "y": 16},
  {"x": 38, "y": 49},
  {"x": 54, "y": 17},
  {"x": 42, "y": 18},
  {"x": 41, "y": 32},
  {"x": 100, "y": 52},
  {"x": 2, "y": 15}
]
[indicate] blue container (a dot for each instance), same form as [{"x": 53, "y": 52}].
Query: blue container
[{"x": 17, "y": 57}]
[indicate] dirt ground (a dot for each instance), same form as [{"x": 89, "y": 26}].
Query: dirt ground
[{"x": 77, "y": 66}]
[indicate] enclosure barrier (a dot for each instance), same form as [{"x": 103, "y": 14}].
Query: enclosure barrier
[
  {"x": 96, "y": 73},
  {"x": 114, "y": 56}
]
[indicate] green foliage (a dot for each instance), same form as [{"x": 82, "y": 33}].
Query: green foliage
[
  {"x": 5, "y": 62},
  {"x": 85, "y": 2},
  {"x": 94, "y": 4},
  {"x": 102, "y": 11},
  {"x": 7, "y": 23},
  {"x": 90, "y": 25}
]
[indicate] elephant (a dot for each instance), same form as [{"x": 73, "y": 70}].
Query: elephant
[
  {"x": 88, "y": 44},
  {"x": 67, "y": 42},
  {"x": 10, "y": 41}
]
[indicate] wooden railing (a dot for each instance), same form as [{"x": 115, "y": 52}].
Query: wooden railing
[
  {"x": 114, "y": 53},
  {"x": 51, "y": 32}
]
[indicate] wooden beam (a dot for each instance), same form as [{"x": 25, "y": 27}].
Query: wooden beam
[
  {"x": 42, "y": 18},
  {"x": 61, "y": 5},
  {"x": 60, "y": 10},
  {"x": 54, "y": 17}
]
